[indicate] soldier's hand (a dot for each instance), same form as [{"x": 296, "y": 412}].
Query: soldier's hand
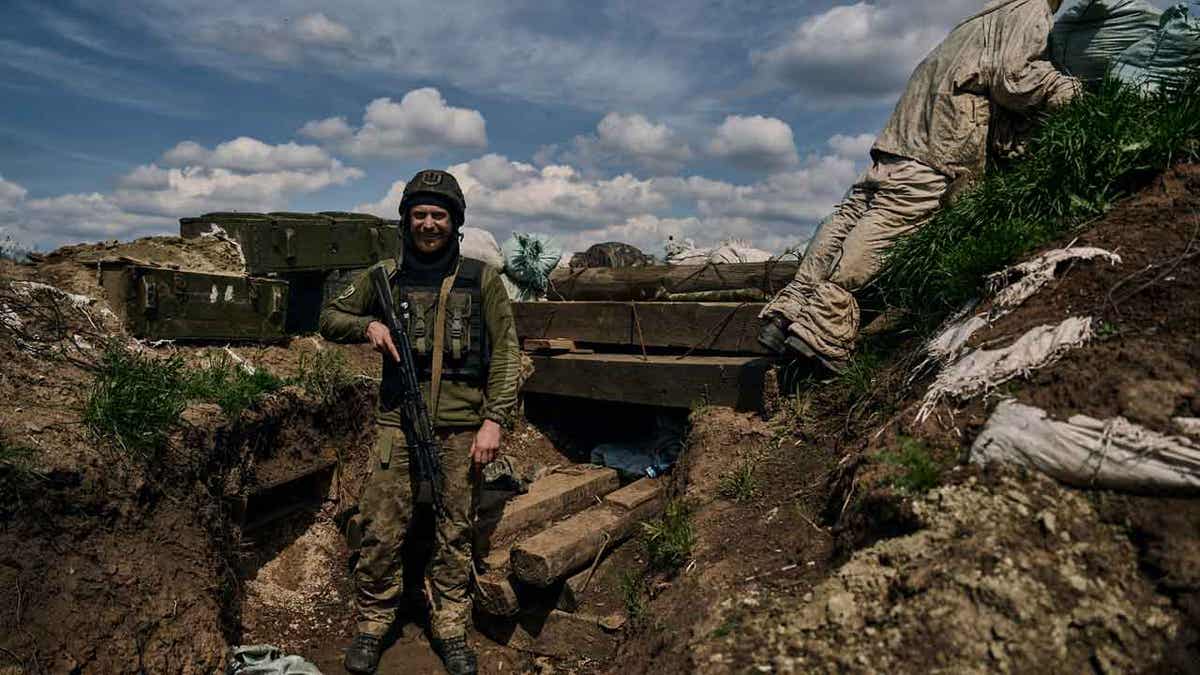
[
  {"x": 486, "y": 446},
  {"x": 381, "y": 339}
]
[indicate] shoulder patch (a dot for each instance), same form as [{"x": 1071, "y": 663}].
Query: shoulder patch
[{"x": 347, "y": 293}]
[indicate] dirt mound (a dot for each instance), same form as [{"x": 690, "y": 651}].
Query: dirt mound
[
  {"x": 1002, "y": 574},
  {"x": 994, "y": 570}
]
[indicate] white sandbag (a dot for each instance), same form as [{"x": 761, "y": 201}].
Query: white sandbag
[
  {"x": 728, "y": 252},
  {"x": 1112, "y": 454},
  {"x": 984, "y": 369},
  {"x": 1188, "y": 426},
  {"x": 1026, "y": 279},
  {"x": 1091, "y": 34},
  {"x": 947, "y": 345},
  {"x": 481, "y": 245},
  {"x": 1168, "y": 57}
]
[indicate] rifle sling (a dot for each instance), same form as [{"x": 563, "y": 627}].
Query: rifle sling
[{"x": 439, "y": 341}]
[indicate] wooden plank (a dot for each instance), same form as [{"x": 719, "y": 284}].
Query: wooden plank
[
  {"x": 657, "y": 281},
  {"x": 665, "y": 381},
  {"x": 549, "y": 498},
  {"x": 548, "y": 345},
  {"x": 573, "y": 544},
  {"x": 703, "y": 326},
  {"x": 557, "y": 634}
]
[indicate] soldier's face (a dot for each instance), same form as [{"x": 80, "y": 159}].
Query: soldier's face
[{"x": 430, "y": 227}]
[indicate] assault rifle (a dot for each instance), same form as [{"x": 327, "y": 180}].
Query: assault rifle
[{"x": 401, "y": 389}]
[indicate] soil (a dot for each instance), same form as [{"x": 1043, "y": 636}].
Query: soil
[
  {"x": 809, "y": 555},
  {"x": 993, "y": 571}
]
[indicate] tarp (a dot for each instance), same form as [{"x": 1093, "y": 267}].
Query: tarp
[
  {"x": 268, "y": 660},
  {"x": 1113, "y": 454},
  {"x": 528, "y": 260},
  {"x": 1091, "y": 34},
  {"x": 730, "y": 251},
  {"x": 1167, "y": 58},
  {"x": 1135, "y": 40},
  {"x": 481, "y": 245}
]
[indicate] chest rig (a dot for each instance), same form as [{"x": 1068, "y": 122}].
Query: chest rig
[{"x": 465, "y": 350}]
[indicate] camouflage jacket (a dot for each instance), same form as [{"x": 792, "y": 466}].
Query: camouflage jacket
[{"x": 461, "y": 404}]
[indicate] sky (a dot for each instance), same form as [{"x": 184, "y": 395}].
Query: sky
[{"x": 608, "y": 120}]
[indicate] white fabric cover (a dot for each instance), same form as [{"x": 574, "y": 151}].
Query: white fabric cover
[{"x": 1112, "y": 454}]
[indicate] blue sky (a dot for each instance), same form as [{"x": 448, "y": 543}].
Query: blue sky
[{"x": 593, "y": 121}]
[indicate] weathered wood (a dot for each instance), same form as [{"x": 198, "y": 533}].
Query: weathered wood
[
  {"x": 702, "y": 326},
  {"x": 549, "y": 498},
  {"x": 574, "y": 543},
  {"x": 658, "y": 281},
  {"x": 665, "y": 381},
  {"x": 547, "y": 345},
  {"x": 557, "y": 634}
]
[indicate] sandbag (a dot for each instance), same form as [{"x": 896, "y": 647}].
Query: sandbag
[
  {"x": 528, "y": 261},
  {"x": 1112, "y": 454},
  {"x": 730, "y": 251},
  {"x": 1091, "y": 34},
  {"x": 1165, "y": 59},
  {"x": 481, "y": 245}
]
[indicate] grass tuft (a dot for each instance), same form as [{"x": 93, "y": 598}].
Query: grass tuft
[
  {"x": 739, "y": 485},
  {"x": 633, "y": 592},
  {"x": 1080, "y": 160},
  {"x": 859, "y": 376},
  {"x": 224, "y": 381},
  {"x": 668, "y": 540},
  {"x": 324, "y": 374},
  {"x": 920, "y": 471},
  {"x": 136, "y": 400}
]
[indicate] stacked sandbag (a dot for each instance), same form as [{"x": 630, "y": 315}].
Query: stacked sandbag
[
  {"x": 728, "y": 252},
  {"x": 1131, "y": 39}
]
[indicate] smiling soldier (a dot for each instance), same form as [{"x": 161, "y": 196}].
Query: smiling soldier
[{"x": 464, "y": 346}]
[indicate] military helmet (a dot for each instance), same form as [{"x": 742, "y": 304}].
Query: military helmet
[{"x": 440, "y": 185}]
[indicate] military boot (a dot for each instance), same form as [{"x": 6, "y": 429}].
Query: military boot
[
  {"x": 362, "y": 656},
  {"x": 456, "y": 655}
]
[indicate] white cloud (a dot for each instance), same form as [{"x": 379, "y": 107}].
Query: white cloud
[
  {"x": 776, "y": 213},
  {"x": 11, "y": 195},
  {"x": 863, "y": 52},
  {"x": 420, "y": 124},
  {"x": 239, "y": 175},
  {"x": 321, "y": 30},
  {"x": 853, "y": 147},
  {"x": 621, "y": 139},
  {"x": 248, "y": 154},
  {"x": 755, "y": 142}
]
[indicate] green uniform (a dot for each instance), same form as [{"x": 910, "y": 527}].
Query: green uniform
[{"x": 386, "y": 507}]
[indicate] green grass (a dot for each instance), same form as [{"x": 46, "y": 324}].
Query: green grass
[
  {"x": 739, "y": 485},
  {"x": 668, "y": 540},
  {"x": 859, "y": 376},
  {"x": 919, "y": 469},
  {"x": 324, "y": 374},
  {"x": 633, "y": 592},
  {"x": 224, "y": 381},
  {"x": 727, "y": 628},
  {"x": 136, "y": 400},
  {"x": 1080, "y": 161}
]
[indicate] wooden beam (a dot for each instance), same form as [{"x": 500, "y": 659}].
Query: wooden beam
[
  {"x": 664, "y": 381},
  {"x": 572, "y": 544},
  {"x": 549, "y": 498},
  {"x": 703, "y": 326},
  {"x": 657, "y": 281}
]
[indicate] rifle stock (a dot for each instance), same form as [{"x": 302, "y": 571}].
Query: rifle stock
[{"x": 401, "y": 389}]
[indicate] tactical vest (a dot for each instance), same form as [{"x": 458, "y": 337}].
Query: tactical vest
[{"x": 466, "y": 349}]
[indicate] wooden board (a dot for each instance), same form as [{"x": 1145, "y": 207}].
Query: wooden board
[
  {"x": 656, "y": 281},
  {"x": 574, "y": 543},
  {"x": 549, "y": 498},
  {"x": 665, "y": 381},
  {"x": 703, "y": 326}
]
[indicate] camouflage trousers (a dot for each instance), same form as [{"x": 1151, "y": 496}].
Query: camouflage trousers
[
  {"x": 387, "y": 511},
  {"x": 895, "y": 197}
]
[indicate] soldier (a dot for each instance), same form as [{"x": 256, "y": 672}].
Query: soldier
[
  {"x": 457, "y": 306},
  {"x": 936, "y": 137}
]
